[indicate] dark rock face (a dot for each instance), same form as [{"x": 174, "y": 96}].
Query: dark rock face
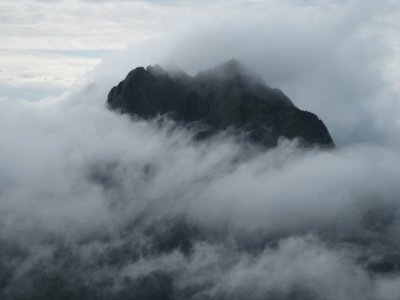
[{"x": 228, "y": 96}]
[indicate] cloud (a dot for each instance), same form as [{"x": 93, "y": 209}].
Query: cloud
[
  {"x": 94, "y": 204},
  {"x": 140, "y": 204}
]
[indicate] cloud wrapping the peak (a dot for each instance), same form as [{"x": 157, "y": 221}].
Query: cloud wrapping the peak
[
  {"x": 330, "y": 58},
  {"x": 89, "y": 196}
]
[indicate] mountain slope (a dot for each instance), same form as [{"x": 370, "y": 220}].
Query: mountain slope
[{"x": 227, "y": 96}]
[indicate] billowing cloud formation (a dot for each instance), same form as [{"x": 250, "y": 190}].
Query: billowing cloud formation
[{"x": 95, "y": 205}]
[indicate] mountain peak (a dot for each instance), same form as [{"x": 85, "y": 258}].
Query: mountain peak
[
  {"x": 231, "y": 69},
  {"x": 231, "y": 66},
  {"x": 226, "y": 96}
]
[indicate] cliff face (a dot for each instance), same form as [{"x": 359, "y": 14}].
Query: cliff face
[{"x": 228, "y": 96}]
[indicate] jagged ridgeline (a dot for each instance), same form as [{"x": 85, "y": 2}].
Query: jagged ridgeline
[{"x": 228, "y": 96}]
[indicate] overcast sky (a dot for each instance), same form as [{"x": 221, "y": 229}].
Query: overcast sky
[{"x": 50, "y": 45}]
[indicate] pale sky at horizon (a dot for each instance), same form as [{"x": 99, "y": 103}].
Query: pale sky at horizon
[{"x": 47, "y": 47}]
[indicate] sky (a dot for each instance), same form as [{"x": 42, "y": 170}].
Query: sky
[
  {"x": 94, "y": 204},
  {"x": 52, "y": 44}
]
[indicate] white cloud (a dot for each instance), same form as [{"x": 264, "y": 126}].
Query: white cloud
[
  {"x": 36, "y": 68},
  {"x": 77, "y": 175}
]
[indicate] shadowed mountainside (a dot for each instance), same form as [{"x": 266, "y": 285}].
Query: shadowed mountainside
[{"x": 226, "y": 97}]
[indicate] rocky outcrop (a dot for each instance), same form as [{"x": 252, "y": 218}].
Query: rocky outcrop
[{"x": 228, "y": 96}]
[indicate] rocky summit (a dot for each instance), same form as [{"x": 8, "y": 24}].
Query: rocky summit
[{"x": 228, "y": 96}]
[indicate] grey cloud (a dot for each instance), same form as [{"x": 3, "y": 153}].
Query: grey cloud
[
  {"x": 96, "y": 205},
  {"x": 102, "y": 203}
]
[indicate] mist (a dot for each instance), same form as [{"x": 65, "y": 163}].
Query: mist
[{"x": 99, "y": 205}]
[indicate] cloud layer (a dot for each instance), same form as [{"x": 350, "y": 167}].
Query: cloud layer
[{"x": 96, "y": 205}]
